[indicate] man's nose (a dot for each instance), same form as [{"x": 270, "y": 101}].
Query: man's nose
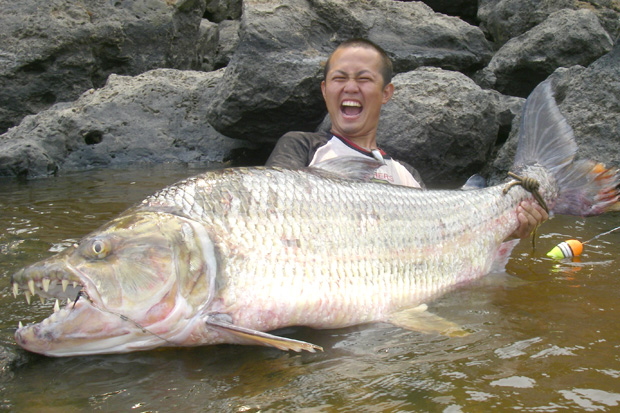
[{"x": 351, "y": 86}]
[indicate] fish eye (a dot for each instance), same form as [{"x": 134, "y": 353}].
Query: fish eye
[{"x": 99, "y": 248}]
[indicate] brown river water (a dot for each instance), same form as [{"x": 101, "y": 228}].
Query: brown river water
[{"x": 545, "y": 334}]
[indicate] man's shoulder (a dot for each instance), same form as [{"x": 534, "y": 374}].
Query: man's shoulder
[
  {"x": 308, "y": 138},
  {"x": 295, "y": 149}
]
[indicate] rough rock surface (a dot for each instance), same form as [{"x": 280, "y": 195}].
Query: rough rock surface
[
  {"x": 589, "y": 98},
  {"x": 52, "y": 51},
  {"x": 261, "y": 62},
  {"x": 565, "y": 38},
  {"x": 435, "y": 112},
  {"x": 272, "y": 82},
  {"x": 121, "y": 124},
  {"x": 506, "y": 19}
]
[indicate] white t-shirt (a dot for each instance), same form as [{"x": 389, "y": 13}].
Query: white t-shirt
[{"x": 391, "y": 172}]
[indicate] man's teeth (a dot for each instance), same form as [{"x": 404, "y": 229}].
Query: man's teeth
[{"x": 351, "y": 103}]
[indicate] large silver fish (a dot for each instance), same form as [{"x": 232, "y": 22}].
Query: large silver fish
[{"x": 226, "y": 256}]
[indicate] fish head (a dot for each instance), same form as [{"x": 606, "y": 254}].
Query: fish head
[{"x": 134, "y": 284}]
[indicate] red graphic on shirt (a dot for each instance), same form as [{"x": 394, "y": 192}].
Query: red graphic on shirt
[{"x": 384, "y": 177}]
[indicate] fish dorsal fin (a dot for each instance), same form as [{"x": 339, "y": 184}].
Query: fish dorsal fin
[
  {"x": 419, "y": 319},
  {"x": 348, "y": 167},
  {"x": 476, "y": 181},
  {"x": 220, "y": 322},
  {"x": 545, "y": 137}
]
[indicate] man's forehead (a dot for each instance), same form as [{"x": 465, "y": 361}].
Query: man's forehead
[
  {"x": 357, "y": 50},
  {"x": 356, "y": 54}
]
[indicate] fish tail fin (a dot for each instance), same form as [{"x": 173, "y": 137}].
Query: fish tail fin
[{"x": 545, "y": 138}]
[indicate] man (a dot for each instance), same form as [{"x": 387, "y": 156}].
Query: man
[{"x": 357, "y": 83}]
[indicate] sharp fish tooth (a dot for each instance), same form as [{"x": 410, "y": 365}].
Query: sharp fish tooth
[
  {"x": 20, "y": 325},
  {"x": 46, "y": 284},
  {"x": 42, "y": 299},
  {"x": 27, "y": 294},
  {"x": 65, "y": 283},
  {"x": 56, "y": 306},
  {"x": 31, "y": 286},
  {"x": 15, "y": 289}
]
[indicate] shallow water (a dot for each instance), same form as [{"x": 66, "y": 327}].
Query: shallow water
[{"x": 545, "y": 337}]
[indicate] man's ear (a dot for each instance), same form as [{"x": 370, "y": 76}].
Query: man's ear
[
  {"x": 323, "y": 88},
  {"x": 388, "y": 91}
]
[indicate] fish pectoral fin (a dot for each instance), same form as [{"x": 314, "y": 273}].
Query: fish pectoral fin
[
  {"x": 261, "y": 338},
  {"x": 419, "y": 319}
]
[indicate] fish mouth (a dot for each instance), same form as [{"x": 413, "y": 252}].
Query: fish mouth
[{"x": 50, "y": 282}]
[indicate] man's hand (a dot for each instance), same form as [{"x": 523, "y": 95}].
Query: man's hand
[{"x": 530, "y": 215}]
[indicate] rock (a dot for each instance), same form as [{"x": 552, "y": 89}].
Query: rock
[
  {"x": 589, "y": 98},
  {"x": 273, "y": 51},
  {"x": 466, "y": 10},
  {"x": 506, "y": 19},
  {"x": 221, "y": 10},
  {"x": 217, "y": 43},
  {"x": 208, "y": 43},
  {"x": 11, "y": 357},
  {"x": 155, "y": 117},
  {"x": 412, "y": 33},
  {"x": 441, "y": 123},
  {"x": 272, "y": 83},
  {"x": 53, "y": 51},
  {"x": 564, "y": 39}
]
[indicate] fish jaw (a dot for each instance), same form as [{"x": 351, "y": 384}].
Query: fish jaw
[
  {"x": 136, "y": 284},
  {"x": 80, "y": 330}
]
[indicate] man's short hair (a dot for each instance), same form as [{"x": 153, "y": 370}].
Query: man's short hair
[{"x": 386, "y": 63}]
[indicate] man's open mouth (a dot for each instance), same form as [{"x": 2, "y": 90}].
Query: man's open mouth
[{"x": 351, "y": 107}]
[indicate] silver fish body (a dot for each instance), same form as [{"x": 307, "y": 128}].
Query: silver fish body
[
  {"x": 296, "y": 248},
  {"x": 228, "y": 255}
]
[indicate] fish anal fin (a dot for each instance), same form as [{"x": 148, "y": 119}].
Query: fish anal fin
[
  {"x": 260, "y": 338},
  {"x": 419, "y": 319},
  {"x": 503, "y": 255}
]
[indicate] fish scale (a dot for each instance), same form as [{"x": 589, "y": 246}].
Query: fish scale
[
  {"x": 410, "y": 259},
  {"x": 226, "y": 256}
]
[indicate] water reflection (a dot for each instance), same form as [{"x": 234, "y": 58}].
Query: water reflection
[{"x": 543, "y": 335}]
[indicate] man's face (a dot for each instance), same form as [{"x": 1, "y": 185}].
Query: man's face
[{"x": 354, "y": 93}]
